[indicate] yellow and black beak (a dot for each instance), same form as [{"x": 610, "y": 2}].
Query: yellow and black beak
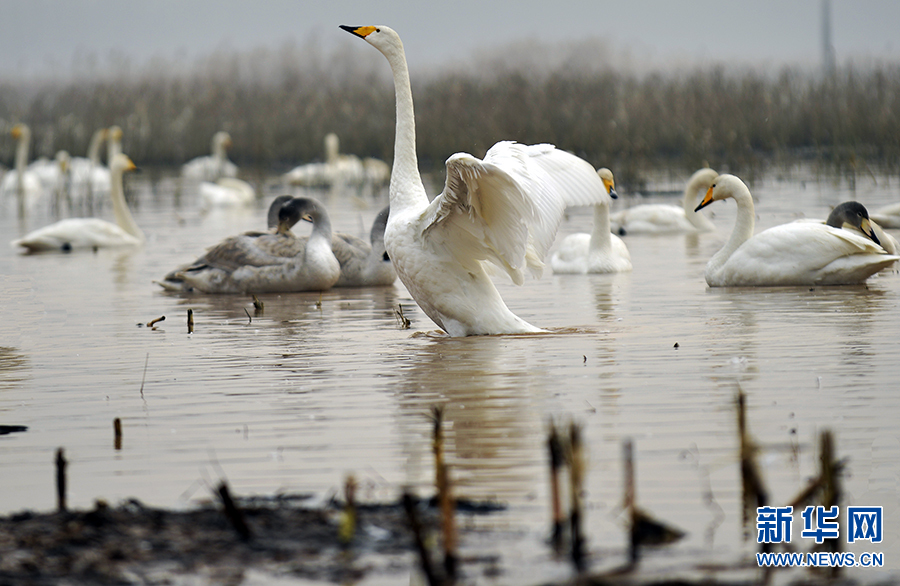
[
  {"x": 866, "y": 226},
  {"x": 708, "y": 199},
  {"x": 360, "y": 31},
  {"x": 611, "y": 188}
]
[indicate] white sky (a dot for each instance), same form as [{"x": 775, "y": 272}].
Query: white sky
[{"x": 43, "y": 36}]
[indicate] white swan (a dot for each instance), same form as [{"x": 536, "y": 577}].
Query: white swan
[
  {"x": 665, "y": 218},
  {"x": 852, "y": 215},
  {"x": 504, "y": 209},
  {"x": 215, "y": 166},
  {"x": 267, "y": 262},
  {"x": 92, "y": 233},
  {"x": 888, "y": 216},
  {"x": 797, "y": 253},
  {"x": 22, "y": 182},
  {"x": 113, "y": 143},
  {"x": 337, "y": 170},
  {"x": 597, "y": 252},
  {"x": 89, "y": 176},
  {"x": 226, "y": 192}
]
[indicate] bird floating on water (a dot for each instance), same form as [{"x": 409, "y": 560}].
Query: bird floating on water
[
  {"x": 659, "y": 218},
  {"x": 797, "y": 253},
  {"x": 504, "y": 209},
  {"x": 267, "y": 262},
  {"x": 91, "y": 233},
  {"x": 597, "y": 252}
]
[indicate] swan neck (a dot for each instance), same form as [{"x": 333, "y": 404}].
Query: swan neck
[
  {"x": 601, "y": 239},
  {"x": 743, "y": 229},
  {"x": 120, "y": 207},
  {"x": 321, "y": 228},
  {"x": 332, "y": 149},
  {"x": 406, "y": 183},
  {"x": 93, "y": 153}
]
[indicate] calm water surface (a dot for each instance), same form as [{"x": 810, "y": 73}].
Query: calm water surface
[{"x": 313, "y": 389}]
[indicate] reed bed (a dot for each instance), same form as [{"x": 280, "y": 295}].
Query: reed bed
[{"x": 279, "y": 104}]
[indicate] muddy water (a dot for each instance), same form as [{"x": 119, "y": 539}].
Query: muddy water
[{"x": 315, "y": 388}]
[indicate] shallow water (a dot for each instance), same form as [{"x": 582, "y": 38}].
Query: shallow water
[{"x": 315, "y": 388}]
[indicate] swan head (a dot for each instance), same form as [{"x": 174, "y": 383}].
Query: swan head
[
  {"x": 114, "y": 133},
  {"x": 382, "y": 38},
  {"x": 222, "y": 139},
  {"x": 307, "y": 209},
  {"x": 20, "y": 131},
  {"x": 723, "y": 187},
  {"x": 274, "y": 208},
  {"x": 608, "y": 182},
  {"x": 122, "y": 163},
  {"x": 63, "y": 160},
  {"x": 855, "y": 215}
]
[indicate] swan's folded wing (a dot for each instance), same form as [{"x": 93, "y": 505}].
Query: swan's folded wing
[
  {"x": 510, "y": 205},
  {"x": 250, "y": 249}
]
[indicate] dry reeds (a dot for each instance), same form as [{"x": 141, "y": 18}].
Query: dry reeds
[{"x": 278, "y": 106}]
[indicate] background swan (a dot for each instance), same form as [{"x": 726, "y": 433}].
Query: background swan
[
  {"x": 337, "y": 170},
  {"x": 364, "y": 264},
  {"x": 215, "y": 166},
  {"x": 597, "y": 252},
  {"x": 226, "y": 192},
  {"x": 504, "y": 209},
  {"x": 663, "y": 218},
  {"x": 91, "y": 233},
  {"x": 22, "y": 183},
  {"x": 113, "y": 143},
  {"x": 89, "y": 176},
  {"x": 266, "y": 262},
  {"x": 798, "y": 253},
  {"x": 888, "y": 216}
]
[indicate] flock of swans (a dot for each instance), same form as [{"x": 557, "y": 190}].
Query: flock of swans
[{"x": 502, "y": 211}]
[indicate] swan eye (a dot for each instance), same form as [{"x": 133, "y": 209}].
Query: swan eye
[{"x": 378, "y": 30}]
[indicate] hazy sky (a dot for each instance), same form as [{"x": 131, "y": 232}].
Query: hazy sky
[{"x": 46, "y": 35}]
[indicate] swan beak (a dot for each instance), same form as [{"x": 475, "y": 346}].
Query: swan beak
[
  {"x": 16, "y": 132},
  {"x": 867, "y": 229},
  {"x": 306, "y": 218},
  {"x": 706, "y": 200},
  {"x": 610, "y": 188},
  {"x": 360, "y": 31}
]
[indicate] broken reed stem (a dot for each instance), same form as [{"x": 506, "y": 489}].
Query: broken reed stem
[
  {"x": 445, "y": 498},
  {"x": 234, "y": 514},
  {"x": 576, "y": 472},
  {"x": 415, "y": 526},
  {"x": 117, "y": 433},
  {"x": 347, "y": 528},
  {"x": 832, "y": 491},
  {"x": 754, "y": 494},
  {"x": 249, "y": 319},
  {"x": 554, "y": 445},
  {"x": 61, "y": 464},
  {"x": 257, "y": 305},
  {"x": 153, "y": 322},
  {"x": 144, "y": 377},
  {"x": 190, "y": 320},
  {"x": 629, "y": 504}
]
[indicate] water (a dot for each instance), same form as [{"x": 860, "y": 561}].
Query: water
[{"x": 316, "y": 388}]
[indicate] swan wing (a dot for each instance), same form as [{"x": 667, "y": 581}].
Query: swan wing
[
  {"x": 252, "y": 249},
  {"x": 506, "y": 208},
  {"x": 805, "y": 253}
]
